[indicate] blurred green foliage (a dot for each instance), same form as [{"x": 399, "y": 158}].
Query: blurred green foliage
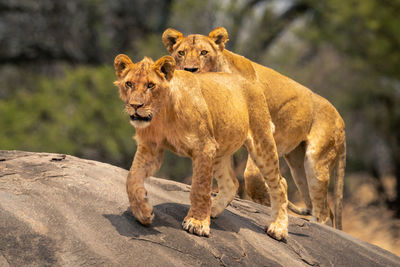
[
  {"x": 79, "y": 113},
  {"x": 368, "y": 30}
]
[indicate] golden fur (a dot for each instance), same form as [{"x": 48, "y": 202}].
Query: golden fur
[
  {"x": 206, "y": 117},
  {"x": 309, "y": 132}
]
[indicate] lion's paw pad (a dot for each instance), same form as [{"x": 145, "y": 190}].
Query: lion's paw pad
[{"x": 198, "y": 227}]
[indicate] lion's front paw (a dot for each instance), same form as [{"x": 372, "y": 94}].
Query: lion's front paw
[
  {"x": 278, "y": 231},
  {"x": 144, "y": 214},
  {"x": 141, "y": 208},
  {"x": 198, "y": 227}
]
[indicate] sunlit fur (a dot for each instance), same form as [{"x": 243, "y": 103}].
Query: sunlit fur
[
  {"x": 206, "y": 117},
  {"x": 309, "y": 132}
]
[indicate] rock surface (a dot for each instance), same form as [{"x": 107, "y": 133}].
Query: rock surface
[{"x": 60, "y": 210}]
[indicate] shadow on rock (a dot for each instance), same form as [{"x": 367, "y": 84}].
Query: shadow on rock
[
  {"x": 128, "y": 226},
  {"x": 167, "y": 215},
  {"x": 171, "y": 215}
]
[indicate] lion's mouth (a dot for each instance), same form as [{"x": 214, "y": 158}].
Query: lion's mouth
[
  {"x": 191, "y": 69},
  {"x": 137, "y": 117}
]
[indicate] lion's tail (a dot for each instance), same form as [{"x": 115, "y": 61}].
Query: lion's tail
[{"x": 338, "y": 176}]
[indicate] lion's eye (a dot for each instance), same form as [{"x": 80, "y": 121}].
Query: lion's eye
[
  {"x": 204, "y": 52},
  {"x": 150, "y": 85},
  {"x": 181, "y": 53},
  {"x": 129, "y": 84}
]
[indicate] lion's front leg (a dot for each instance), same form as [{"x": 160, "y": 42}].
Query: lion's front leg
[
  {"x": 197, "y": 221},
  {"x": 147, "y": 161}
]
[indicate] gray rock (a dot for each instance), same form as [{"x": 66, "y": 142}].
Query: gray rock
[{"x": 59, "y": 210}]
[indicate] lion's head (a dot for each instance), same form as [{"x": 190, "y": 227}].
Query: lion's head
[
  {"x": 196, "y": 52},
  {"x": 143, "y": 86}
]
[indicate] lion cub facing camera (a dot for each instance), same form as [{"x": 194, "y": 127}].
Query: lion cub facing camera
[{"x": 206, "y": 117}]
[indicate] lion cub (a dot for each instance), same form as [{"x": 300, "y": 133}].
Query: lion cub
[
  {"x": 206, "y": 117},
  {"x": 309, "y": 132}
]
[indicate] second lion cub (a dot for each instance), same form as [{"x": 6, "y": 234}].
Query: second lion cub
[{"x": 206, "y": 117}]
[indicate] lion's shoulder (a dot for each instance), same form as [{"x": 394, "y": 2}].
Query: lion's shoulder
[{"x": 238, "y": 64}]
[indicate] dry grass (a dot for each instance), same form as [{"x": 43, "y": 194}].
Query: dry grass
[{"x": 366, "y": 217}]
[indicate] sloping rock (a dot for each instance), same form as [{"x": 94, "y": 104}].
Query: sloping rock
[{"x": 60, "y": 210}]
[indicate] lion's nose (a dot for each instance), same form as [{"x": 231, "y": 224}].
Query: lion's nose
[
  {"x": 136, "y": 106},
  {"x": 191, "y": 69}
]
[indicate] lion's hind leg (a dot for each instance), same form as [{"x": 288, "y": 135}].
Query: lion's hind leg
[
  {"x": 320, "y": 158},
  {"x": 227, "y": 185},
  {"x": 295, "y": 161},
  {"x": 318, "y": 174},
  {"x": 263, "y": 151}
]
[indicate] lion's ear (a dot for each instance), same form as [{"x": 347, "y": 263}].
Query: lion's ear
[
  {"x": 219, "y": 36},
  {"x": 121, "y": 63},
  {"x": 165, "y": 66},
  {"x": 170, "y": 37}
]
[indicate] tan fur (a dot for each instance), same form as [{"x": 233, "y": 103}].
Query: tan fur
[
  {"x": 206, "y": 117},
  {"x": 309, "y": 132}
]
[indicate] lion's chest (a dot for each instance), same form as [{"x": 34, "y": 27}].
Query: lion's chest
[{"x": 181, "y": 146}]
